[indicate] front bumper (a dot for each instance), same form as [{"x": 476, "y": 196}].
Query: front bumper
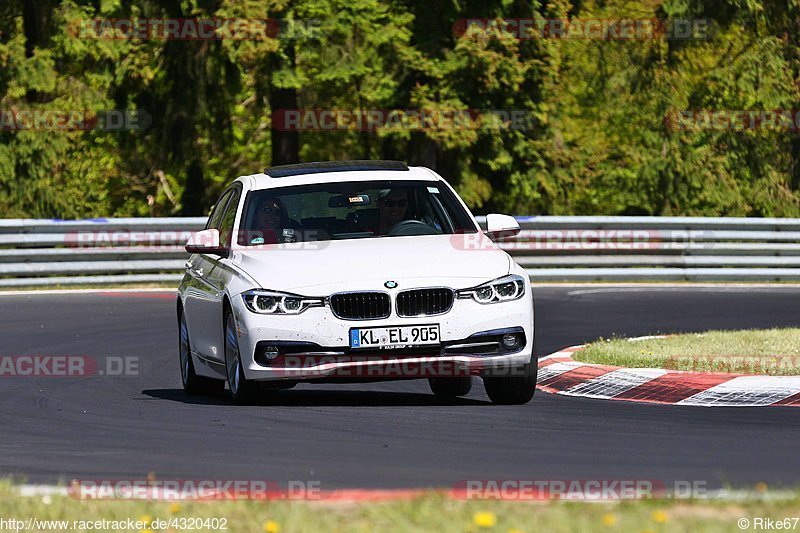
[{"x": 315, "y": 344}]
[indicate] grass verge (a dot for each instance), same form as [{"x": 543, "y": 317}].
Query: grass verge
[
  {"x": 757, "y": 351},
  {"x": 432, "y": 512}
]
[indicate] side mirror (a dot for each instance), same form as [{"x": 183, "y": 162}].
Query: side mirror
[
  {"x": 501, "y": 226},
  {"x": 206, "y": 242}
]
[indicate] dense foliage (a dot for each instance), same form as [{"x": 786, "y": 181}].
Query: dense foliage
[{"x": 602, "y": 138}]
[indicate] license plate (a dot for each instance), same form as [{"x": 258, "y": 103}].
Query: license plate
[{"x": 394, "y": 336}]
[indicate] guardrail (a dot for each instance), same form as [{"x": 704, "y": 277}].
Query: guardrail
[
  {"x": 550, "y": 248},
  {"x": 615, "y": 248},
  {"x": 94, "y": 251}
]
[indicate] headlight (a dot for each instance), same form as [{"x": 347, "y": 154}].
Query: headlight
[
  {"x": 266, "y": 302},
  {"x": 505, "y": 289}
]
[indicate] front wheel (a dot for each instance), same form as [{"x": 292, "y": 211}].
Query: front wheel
[
  {"x": 513, "y": 390},
  {"x": 192, "y": 383},
  {"x": 244, "y": 392}
]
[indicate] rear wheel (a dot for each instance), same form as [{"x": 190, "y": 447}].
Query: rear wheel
[
  {"x": 243, "y": 391},
  {"x": 192, "y": 383},
  {"x": 450, "y": 387},
  {"x": 513, "y": 390}
]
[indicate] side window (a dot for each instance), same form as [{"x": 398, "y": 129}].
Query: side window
[
  {"x": 228, "y": 219},
  {"x": 219, "y": 208}
]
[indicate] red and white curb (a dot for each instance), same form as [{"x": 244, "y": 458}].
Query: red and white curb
[
  {"x": 336, "y": 495},
  {"x": 560, "y": 374},
  {"x": 366, "y": 496}
]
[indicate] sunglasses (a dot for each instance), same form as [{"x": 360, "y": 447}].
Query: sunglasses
[
  {"x": 391, "y": 203},
  {"x": 271, "y": 210}
]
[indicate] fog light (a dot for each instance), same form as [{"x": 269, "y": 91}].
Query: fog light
[
  {"x": 510, "y": 340},
  {"x": 271, "y": 352}
]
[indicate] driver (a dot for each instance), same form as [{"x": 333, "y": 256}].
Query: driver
[
  {"x": 392, "y": 207},
  {"x": 271, "y": 222}
]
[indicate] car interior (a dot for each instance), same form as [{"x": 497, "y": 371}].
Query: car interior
[{"x": 425, "y": 215}]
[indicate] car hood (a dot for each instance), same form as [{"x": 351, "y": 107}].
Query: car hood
[{"x": 457, "y": 261}]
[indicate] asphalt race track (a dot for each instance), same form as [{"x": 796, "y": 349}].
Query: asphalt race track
[{"x": 384, "y": 434}]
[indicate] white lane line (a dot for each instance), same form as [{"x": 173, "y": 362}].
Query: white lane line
[
  {"x": 42, "y": 490},
  {"x": 83, "y": 291},
  {"x": 668, "y": 283},
  {"x": 646, "y": 338},
  {"x": 734, "y": 495},
  {"x": 747, "y": 391},
  {"x": 614, "y": 383},
  {"x": 685, "y": 288}
]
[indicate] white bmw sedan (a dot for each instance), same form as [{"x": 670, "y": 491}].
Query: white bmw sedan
[{"x": 353, "y": 271}]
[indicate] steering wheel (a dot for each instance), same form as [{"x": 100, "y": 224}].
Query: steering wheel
[{"x": 412, "y": 227}]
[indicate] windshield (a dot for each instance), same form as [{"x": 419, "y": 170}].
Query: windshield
[{"x": 351, "y": 210}]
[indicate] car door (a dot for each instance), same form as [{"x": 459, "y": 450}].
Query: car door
[
  {"x": 201, "y": 294},
  {"x": 214, "y": 277},
  {"x": 218, "y": 275}
]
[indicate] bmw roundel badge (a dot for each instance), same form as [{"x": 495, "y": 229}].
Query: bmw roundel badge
[{"x": 390, "y": 284}]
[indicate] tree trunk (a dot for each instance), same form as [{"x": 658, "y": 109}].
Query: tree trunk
[
  {"x": 192, "y": 201},
  {"x": 793, "y": 53},
  {"x": 37, "y": 22},
  {"x": 285, "y": 144},
  {"x": 422, "y": 150}
]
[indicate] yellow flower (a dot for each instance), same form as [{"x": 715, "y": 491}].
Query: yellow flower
[
  {"x": 270, "y": 526},
  {"x": 146, "y": 518},
  {"x": 609, "y": 519},
  {"x": 145, "y": 531},
  {"x": 484, "y": 519},
  {"x": 175, "y": 508},
  {"x": 659, "y": 516},
  {"x": 761, "y": 487}
]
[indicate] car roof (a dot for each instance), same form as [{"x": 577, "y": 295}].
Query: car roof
[
  {"x": 340, "y": 171},
  {"x": 319, "y": 167}
]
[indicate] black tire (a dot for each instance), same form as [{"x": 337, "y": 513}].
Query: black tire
[
  {"x": 244, "y": 392},
  {"x": 513, "y": 390},
  {"x": 450, "y": 387},
  {"x": 193, "y": 384}
]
